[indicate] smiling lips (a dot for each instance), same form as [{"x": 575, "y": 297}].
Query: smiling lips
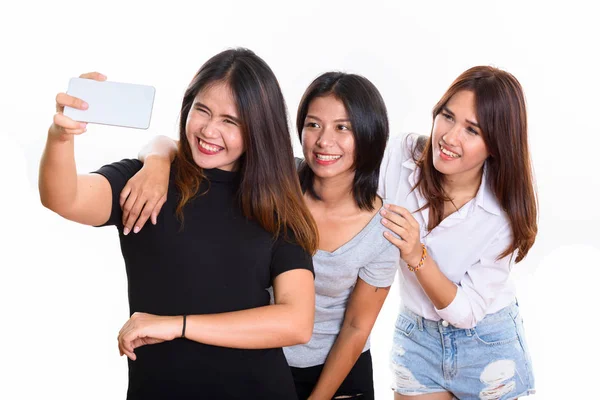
[
  {"x": 326, "y": 159},
  {"x": 208, "y": 148},
  {"x": 446, "y": 154}
]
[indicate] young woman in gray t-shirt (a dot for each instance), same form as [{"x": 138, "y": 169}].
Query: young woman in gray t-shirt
[{"x": 343, "y": 126}]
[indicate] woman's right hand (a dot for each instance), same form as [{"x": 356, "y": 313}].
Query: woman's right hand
[
  {"x": 145, "y": 193},
  {"x": 63, "y": 127}
]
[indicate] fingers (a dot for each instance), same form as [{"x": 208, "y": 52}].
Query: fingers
[
  {"x": 125, "y": 347},
  {"x": 402, "y": 212},
  {"x": 144, "y": 215},
  {"x": 138, "y": 209},
  {"x": 395, "y": 219},
  {"x": 123, "y": 351},
  {"x": 396, "y": 241},
  {"x": 133, "y": 215},
  {"x": 64, "y": 124},
  {"x": 124, "y": 195},
  {"x": 63, "y": 99},
  {"x": 397, "y": 229},
  {"x": 97, "y": 76},
  {"x": 157, "y": 208},
  {"x": 128, "y": 208},
  {"x": 129, "y": 332}
]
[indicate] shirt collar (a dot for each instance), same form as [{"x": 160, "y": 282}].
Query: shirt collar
[{"x": 484, "y": 198}]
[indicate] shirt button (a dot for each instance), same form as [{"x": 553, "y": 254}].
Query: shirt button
[{"x": 445, "y": 323}]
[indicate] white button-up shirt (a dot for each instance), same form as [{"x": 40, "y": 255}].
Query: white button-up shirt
[{"x": 465, "y": 245}]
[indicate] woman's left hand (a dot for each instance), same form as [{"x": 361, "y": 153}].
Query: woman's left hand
[
  {"x": 142, "y": 329},
  {"x": 400, "y": 221}
]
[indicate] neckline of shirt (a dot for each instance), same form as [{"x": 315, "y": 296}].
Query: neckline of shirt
[
  {"x": 219, "y": 175},
  {"x": 356, "y": 238}
]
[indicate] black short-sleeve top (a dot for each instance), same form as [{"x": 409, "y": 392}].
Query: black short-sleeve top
[{"x": 216, "y": 261}]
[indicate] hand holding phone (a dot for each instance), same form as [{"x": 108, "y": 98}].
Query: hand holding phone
[
  {"x": 111, "y": 103},
  {"x": 63, "y": 127}
]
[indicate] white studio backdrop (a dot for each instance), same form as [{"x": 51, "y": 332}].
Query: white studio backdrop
[{"x": 62, "y": 285}]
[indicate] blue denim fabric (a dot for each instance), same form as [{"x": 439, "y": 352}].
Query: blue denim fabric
[{"x": 490, "y": 361}]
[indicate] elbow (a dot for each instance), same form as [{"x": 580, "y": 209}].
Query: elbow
[
  {"x": 51, "y": 205},
  {"x": 301, "y": 329},
  {"x": 47, "y": 202},
  {"x": 55, "y": 206},
  {"x": 303, "y": 335}
]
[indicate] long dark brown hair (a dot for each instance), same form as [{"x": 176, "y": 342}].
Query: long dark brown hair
[
  {"x": 269, "y": 190},
  {"x": 502, "y": 117}
]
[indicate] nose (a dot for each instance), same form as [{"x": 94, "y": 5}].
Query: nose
[
  {"x": 451, "y": 137},
  {"x": 209, "y": 130},
  {"x": 326, "y": 138}
]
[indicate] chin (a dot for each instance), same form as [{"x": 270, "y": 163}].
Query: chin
[{"x": 443, "y": 169}]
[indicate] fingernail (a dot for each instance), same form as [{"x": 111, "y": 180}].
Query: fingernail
[
  {"x": 384, "y": 221},
  {"x": 84, "y": 105},
  {"x": 82, "y": 125},
  {"x": 383, "y": 212},
  {"x": 125, "y": 231},
  {"x": 387, "y": 206},
  {"x": 136, "y": 229}
]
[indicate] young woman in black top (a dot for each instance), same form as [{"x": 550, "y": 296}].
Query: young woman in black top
[{"x": 234, "y": 224}]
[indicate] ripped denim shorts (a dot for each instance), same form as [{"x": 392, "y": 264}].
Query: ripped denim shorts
[{"x": 490, "y": 361}]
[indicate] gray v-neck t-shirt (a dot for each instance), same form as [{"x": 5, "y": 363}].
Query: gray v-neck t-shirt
[{"x": 368, "y": 256}]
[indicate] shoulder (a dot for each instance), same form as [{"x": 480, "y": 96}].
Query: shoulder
[
  {"x": 119, "y": 170},
  {"x": 372, "y": 241}
]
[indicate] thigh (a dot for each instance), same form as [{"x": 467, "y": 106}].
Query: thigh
[{"x": 430, "y": 396}]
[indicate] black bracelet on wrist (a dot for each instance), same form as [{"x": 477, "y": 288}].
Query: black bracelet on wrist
[{"x": 183, "y": 330}]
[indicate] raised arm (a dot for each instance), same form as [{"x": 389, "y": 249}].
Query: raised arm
[
  {"x": 464, "y": 304},
  {"x": 81, "y": 198},
  {"x": 287, "y": 322},
  {"x": 146, "y": 192}
]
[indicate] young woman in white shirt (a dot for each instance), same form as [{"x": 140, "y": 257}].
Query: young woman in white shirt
[{"x": 466, "y": 213}]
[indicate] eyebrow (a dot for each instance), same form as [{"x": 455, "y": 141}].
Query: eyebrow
[
  {"x": 231, "y": 117},
  {"x": 336, "y": 120},
  {"x": 468, "y": 121}
]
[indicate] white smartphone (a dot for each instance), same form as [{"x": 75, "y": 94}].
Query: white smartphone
[{"x": 112, "y": 103}]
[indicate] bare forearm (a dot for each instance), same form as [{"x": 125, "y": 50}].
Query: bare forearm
[
  {"x": 58, "y": 174},
  {"x": 276, "y": 325},
  {"x": 440, "y": 290},
  {"x": 161, "y": 147},
  {"x": 342, "y": 357}
]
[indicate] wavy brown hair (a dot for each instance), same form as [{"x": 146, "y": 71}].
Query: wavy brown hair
[
  {"x": 269, "y": 191},
  {"x": 502, "y": 117}
]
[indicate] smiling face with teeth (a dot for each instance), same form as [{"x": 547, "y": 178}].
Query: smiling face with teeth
[
  {"x": 327, "y": 138},
  {"x": 213, "y": 128},
  {"x": 458, "y": 147}
]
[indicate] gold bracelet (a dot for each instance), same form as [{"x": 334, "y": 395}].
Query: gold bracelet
[{"x": 420, "y": 264}]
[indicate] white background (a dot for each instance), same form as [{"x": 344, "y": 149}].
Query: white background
[{"x": 62, "y": 285}]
